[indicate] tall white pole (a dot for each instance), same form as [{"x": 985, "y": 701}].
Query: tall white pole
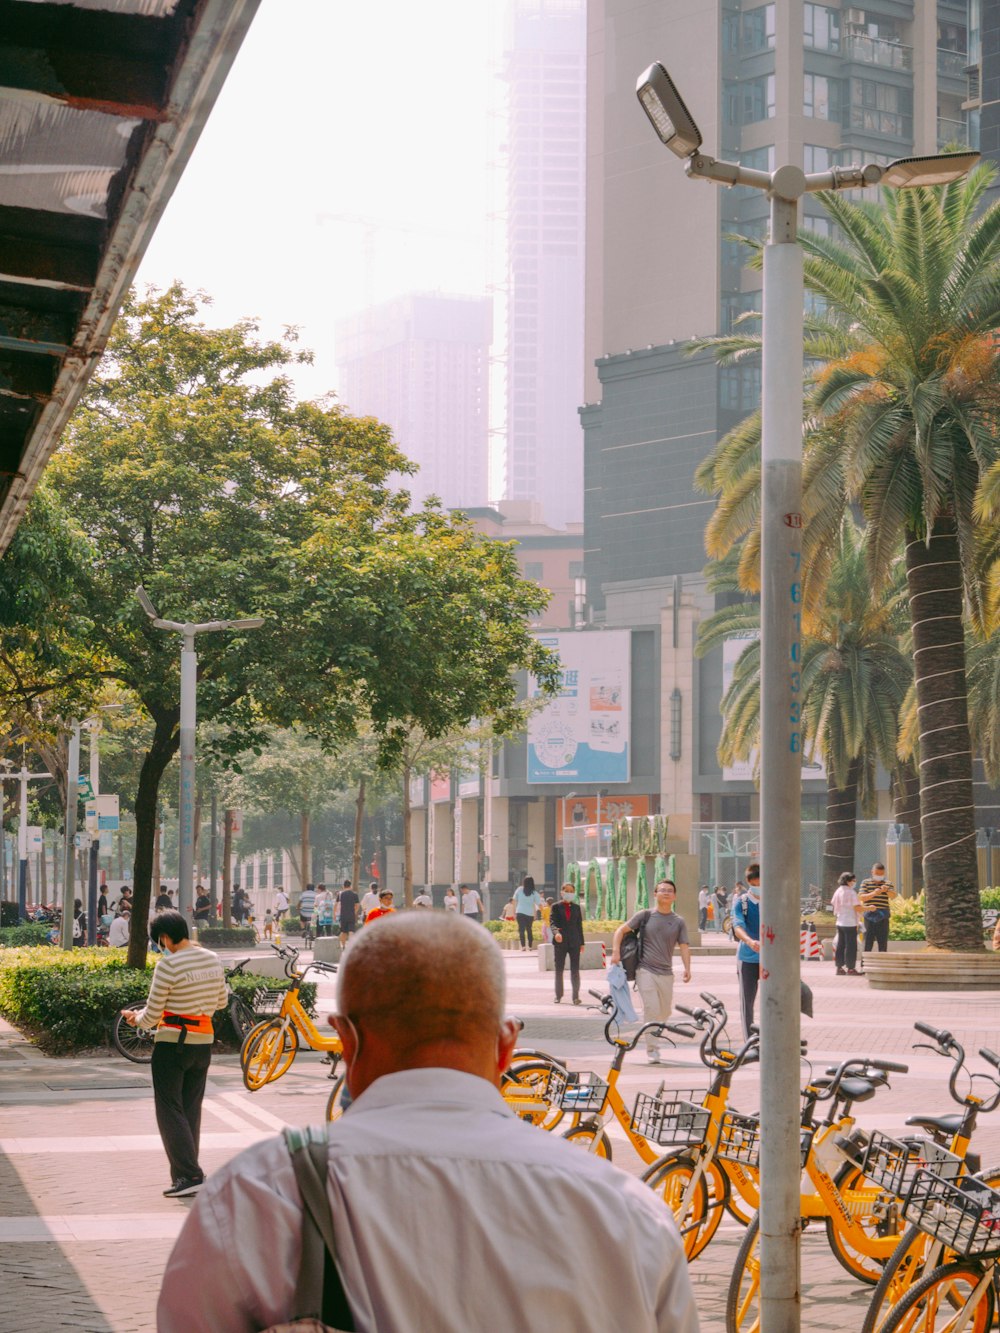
[
  {"x": 95, "y": 841},
  {"x": 781, "y": 759},
  {"x": 189, "y": 679},
  {"x": 69, "y": 847},
  {"x": 22, "y": 846}
]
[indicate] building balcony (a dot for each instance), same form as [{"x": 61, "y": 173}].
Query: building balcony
[
  {"x": 951, "y": 132},
  {"x": 869, "y": 120},
  {"x": 951, "y": 64},
  {"x": 877, "y": 51}
]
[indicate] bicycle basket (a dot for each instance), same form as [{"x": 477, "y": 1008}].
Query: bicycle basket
[
  {"x": 671, "y": 1118},
  {"x": 266, "y": 1002},
  {"x": 965, "y": 1216},
  {"x": 893, "y": 1163},
  {"x": 583, "y": 1092},
  {"x": 739, "y": 1139}
]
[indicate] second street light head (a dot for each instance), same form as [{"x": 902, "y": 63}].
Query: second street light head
[
  {"x": 665, "y": 108},
  {"x": 942, "y": 169}
]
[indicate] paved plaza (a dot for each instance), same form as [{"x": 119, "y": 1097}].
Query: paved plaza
[{"x": 85, "y": 1233}]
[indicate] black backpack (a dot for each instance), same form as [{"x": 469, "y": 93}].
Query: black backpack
[{"x": 630, "y": 952}]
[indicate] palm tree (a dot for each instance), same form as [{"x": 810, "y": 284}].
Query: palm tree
[
  {"x": 899, "y": 422},
  {"x": 854, "y": 679}
]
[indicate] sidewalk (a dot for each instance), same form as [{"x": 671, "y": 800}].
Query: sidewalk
[{"x": 85, "y": 1232}]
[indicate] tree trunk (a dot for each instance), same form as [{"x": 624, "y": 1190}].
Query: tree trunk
[
  {"x": 305, "y": 872},
  {"x": 841, "y": 818},
  {"x": 196, "y": 837},
  {"x": 407, "y": 841},
  {"x": 359, "y": 824},
  {"x": 157, "y": 876},
  {"x": 227, "y": 869},
  {"x": 947, "y": 815},
  {"x": 43, "y": 875},
  {"x": 906, "y": 810},
  {"x": 166, "y": 739}
]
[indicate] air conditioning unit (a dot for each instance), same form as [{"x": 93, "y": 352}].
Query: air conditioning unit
[{"x": 854, "y": 18}]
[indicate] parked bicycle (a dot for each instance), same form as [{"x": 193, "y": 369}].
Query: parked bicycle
[
  {"x": 272, "y": 1045},
  {"x": 136, "y": 1044}
]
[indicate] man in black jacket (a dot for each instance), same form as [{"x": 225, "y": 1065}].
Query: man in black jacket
[{"x": 566, "y": 924}]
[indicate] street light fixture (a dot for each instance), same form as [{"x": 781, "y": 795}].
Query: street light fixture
[
  {"x": 781, "y": 737},
  {"x": 189, "y": 686}
]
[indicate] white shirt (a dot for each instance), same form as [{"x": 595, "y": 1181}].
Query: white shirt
[
  {"x": 451, "y": 902},
  {"x": 843, "y": 903},
  {"x": 703, "y": 897},
  {"x": 368, "y": 903},
  {"x": 505, "y": 1226},
  {"x": 423, "y": 900},
  {"x": 118, "y": 932},
  {"x": 471, "y": 902},
  {"x": 281, "y": 901}
]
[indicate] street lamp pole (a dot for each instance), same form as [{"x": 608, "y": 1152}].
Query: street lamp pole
[
  {"x": 69, "y": 844},
  {"x": 188, "y": 725},
  {"x": 781, "y": 683}
]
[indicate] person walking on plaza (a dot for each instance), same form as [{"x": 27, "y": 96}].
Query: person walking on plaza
[
  {"x": 846, "y": 907},
  {"x": 324, "y": 911},
  {"x": 423, "y": 900},
  {"x": 746, "y": 931},
  {"x": 385, "y": 906},
  {"x": 118, "y": 931},
  {"x": 280, "y": 904},
  {"x": 566, "y": 924},
  {"x": 163, "y": 901},
  {"x": 876, "y": 893},
  {"x": 429, "y": 1151},
  {"x": 188, "y": 987},
  {"x": 472, "y": 904},
  {"x": 508, "y": 913},
  {"x": 202, "y": 907},
  {"x": 662, "y": 930},
  {"x": 527, "y": 902},
  {"x": 369, "y": 902},
  {"x": 703, "y": 896},
  {"x": 307, "y": 907},
  {"x": 719, "y": 903},
  {"x": 450, "y": 900},
  {"x": 349, "y": 912}
]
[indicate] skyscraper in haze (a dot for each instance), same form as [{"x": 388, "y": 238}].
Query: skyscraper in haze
[
  {"x": 546, "y": 77},
  {"x": 421, "y": 364}
]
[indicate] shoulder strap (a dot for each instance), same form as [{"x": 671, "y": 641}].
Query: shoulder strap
[{"x": 319, "y": 1291}]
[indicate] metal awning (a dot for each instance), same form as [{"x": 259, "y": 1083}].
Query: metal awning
[{"x": 101, "y": 104}]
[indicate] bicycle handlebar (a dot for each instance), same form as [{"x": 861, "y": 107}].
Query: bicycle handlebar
[
  {"x": 947, "y": 1045},
  {"x": 859, "y": 1066}
]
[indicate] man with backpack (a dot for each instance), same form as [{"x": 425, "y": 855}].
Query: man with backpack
[{"x": 648, "y": 957}]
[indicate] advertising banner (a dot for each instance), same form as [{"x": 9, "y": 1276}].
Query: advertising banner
[{"x": 582, "y": 735}]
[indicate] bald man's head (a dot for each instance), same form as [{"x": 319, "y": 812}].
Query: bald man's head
[{"x": 421, "y": 980}]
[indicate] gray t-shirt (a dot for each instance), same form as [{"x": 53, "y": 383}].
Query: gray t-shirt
[{"x": 661, "y": 932}]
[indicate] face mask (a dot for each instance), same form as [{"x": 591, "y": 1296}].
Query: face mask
[
  {"x": 754, "y": 892},
  {"x": 879, "y": 878},
  {"x": 568, "y": 897}
]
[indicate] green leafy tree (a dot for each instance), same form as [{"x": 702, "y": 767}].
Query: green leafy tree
[{"x": 900, "y": 422}]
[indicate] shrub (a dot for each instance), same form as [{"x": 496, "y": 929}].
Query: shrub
[
  {"x": 507, "y": 930},
  {"x": 989, "y": 900},
  {"x": 67, "y": 1002},
  {"x": 9, "y": 914},
  {"x": 906, "y": 921},
  {"x": 13, "y": 937},
  {"x": 227, "y": 937}
]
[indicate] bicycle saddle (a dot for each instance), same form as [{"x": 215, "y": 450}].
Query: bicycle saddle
[
  {"x": 948, "y": 1125},
  {"x": 853, "y": 1089}
]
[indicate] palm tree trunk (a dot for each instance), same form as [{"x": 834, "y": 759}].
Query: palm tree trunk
[
  {"x": 906, "y": 810},
  {"x": 841, "y": 819},
  {"x": 227, "y": 868},
  {"x": 947, "y": 815}
]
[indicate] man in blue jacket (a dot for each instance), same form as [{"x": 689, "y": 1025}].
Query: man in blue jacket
[{"x": 746, "y": 929}]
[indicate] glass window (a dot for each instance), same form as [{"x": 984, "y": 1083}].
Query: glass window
[
  {"x": 821, "y": 97},
  {"x": 759, "y": 159},
  {"x": 758, "y": 28},
  {"x": 739, "y": 388},
  {"x": 533, "y": 569},
  {"x": 817, "y": 158},
  {"x": 821, "y": 27},
  {"x": 758, "y": 99}
]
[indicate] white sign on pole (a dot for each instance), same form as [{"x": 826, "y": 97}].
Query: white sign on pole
[
  {"x": 105, "y": 842},
  {"x": 34, "y": 833}
]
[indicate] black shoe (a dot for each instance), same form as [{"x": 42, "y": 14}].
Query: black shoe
[
  {"x": 558, "y": 999},
  {"x": 841, "y": 972},
  {"x": 853, "y": 972},
  {"x": 180, "y": 1189},
  {"x": 577, "y": 1000}
]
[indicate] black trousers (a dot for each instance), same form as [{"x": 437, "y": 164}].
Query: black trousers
[
  {"x": 846, "y": 953},
  {"x": 876, "y": 932},
  {"x": 560, "y": 952},
  {"x": 524, "y": 928},
  {"x": 179, "y": 1076},
  {"x": 749, "y": 979}
]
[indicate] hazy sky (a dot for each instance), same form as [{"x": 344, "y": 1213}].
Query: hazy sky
[{"x": 383, "y": 110}]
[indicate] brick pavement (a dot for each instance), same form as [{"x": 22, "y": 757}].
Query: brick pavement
[{"x": 84, "y": 1231}]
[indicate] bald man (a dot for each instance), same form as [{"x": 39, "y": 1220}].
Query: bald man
[{"x": 449, "y": 1212}]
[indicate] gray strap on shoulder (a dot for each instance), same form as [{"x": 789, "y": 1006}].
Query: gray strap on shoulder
[{"x": 309, "y": 1152}]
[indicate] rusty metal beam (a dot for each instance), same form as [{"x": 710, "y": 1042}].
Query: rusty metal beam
[
  {"x": 96, "y": 60},
  {"x": 24, "y": 375},
  {"x": 25, "y": 259},
  {"x": 24, "y": 329}
]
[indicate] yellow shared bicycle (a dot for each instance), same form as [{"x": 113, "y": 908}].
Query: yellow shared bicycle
[{"x": 271, "y": 1046}]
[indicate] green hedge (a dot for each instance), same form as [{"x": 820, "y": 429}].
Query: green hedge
[
  {"x": 15, "y": 937},
  {"x": 507, "y": 930},
  {"x": 231, "y": 937},
  {"x": 67, "y": 1002}
]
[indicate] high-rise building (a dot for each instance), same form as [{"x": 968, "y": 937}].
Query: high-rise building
[
  {"x": 421, "y": 364},
  {"x": 545, "y": 72},
  {"x": 773, "y": 83}
]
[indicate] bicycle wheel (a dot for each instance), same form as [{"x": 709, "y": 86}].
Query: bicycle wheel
[
  {"x": 242, "y": 1017},
  {"x": 583, "y": 1136},
  {"x": 339, "y": 1099},
  {"x": 267, "y": 1053},
  {"x": 697, "y": 1220},
  {"x": 527, "y": 1083},
  {"x": 906, "y": 1266},
  {"x": 134, "y": 1043},
  {"x": 949, "y": 1298},
  {"x": 743, "y": 1297},
  {"x": 878, "y": 1215}
]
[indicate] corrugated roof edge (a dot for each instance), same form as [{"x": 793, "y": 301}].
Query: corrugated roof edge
[{"x": 211, "y": 50}]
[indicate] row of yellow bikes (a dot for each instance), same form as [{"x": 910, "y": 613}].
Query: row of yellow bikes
[{"x": 913, "y": 1217}]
